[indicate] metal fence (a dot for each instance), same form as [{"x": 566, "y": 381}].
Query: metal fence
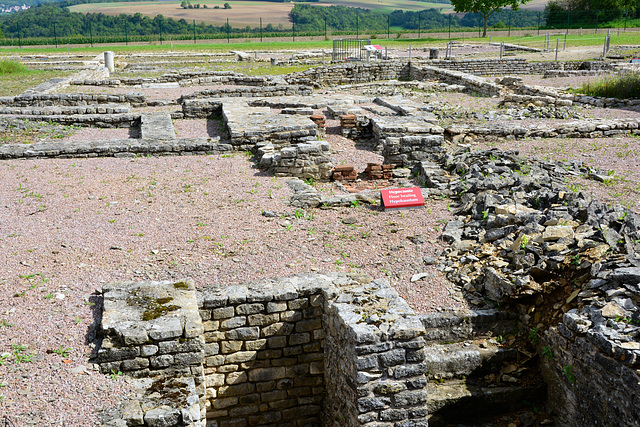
[{"x": 507, "y": 23}]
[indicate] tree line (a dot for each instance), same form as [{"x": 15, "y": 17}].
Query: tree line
[{"x": 55, "y": 19}]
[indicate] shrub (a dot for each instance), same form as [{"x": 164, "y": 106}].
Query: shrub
[{"x": 11, "y": 67}]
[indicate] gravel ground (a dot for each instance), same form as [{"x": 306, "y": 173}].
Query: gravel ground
[
  {"x": 70, "y": 225},
  {"x": 67, "y": 226}
]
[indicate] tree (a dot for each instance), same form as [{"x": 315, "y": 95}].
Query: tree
[
  {"x": 227, "y": 6},
  {"x": 485, "y": 8},
  {"x": 183, "y": 4}
]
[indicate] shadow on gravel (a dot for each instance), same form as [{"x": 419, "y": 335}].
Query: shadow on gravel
[{"x": 92, "y": 335}]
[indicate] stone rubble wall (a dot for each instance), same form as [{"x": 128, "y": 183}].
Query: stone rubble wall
[
  {"x": 153, "y": 330},
  {"x": 98, "y": 120},
  {"x": 183, "y": 79},
  {"x": 68, "y": 111},
  {"x": 483, "y": 67},
  {"x": 589, "y": 128},
  {"x": 594, "y": 370},
  {"x": 471, "y": 82},
  {"x": 249, "y": 92},
  {"x": 336, "y": 349},
  {"x": 123, "y": 148},
  {"x": 374, "y": 360},
  {"x": 407, "y": 140},
  {"x": 303, "y": 160},
  {"x": 349, "y": 73},
  {"x": 71, "y": 100}
]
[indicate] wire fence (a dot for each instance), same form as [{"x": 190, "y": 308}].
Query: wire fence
[{"x": 558, "y": 23}]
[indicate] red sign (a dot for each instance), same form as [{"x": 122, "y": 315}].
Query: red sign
[{"x": 402, "y": 198}]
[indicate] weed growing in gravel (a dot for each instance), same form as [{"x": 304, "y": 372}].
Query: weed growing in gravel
[
  {"x": 5, "y": 324},
  {"x": 114, "y": 375},
  {"x": 62, "y": 351},
  {"x": 546, "y": 352},
  {"x": 78, "y": 320},
  {"x": 533, "y": 336},
  {"x": 3, "y": 358},
  {"x": 20, "y": 355}
]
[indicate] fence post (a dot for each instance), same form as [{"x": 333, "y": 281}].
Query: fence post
[
  {"x": 19, "y": 37},
  {"x": 293, "y": 32},
  {"x": 419, "y": 24},
  {"x": 160, "y": 33},
  {"x": 625, "y": 19},
  {"x": 126, "y": 34},
  {"x": 510, "y": 13},
  {"x": 194, "y": 31},
  {"x": 557, "y": 45},
  {"x": 91, "y": 33},
  {"x": 55, "y": 36},
  {"x": 568, "y": 20},
  {"x": 325, "y": 28},
  {"x": 228, "y": 31},
  {"x": 539, "y": 12},
  {"x": 565, "y": 42},
  {"x": 357, "y": 27},
  {"x": 261, "y": 29},
  {"x": 597, "y": 16},
  {"x": 449, "y": 27},
  {"x": 389, "y": 24}
]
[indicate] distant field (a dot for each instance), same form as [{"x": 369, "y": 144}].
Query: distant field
[
  {"x": 242, "y": 13},
  {"x": 388, "y": 5}
]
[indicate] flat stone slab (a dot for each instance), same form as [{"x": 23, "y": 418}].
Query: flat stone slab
[{"x": 157, "y": 126}]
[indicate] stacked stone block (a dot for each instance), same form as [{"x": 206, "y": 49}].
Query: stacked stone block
[
  {"x": 407, "y": 141},
  {"x": 374, "y": 360},
  {"x": 71, "y": 99},
  {"x": 471, "y": 82},
  {"x": 349, "y": 73},
  {"x": 303, "y": 160},
  {"x": 152, "y": 329}
]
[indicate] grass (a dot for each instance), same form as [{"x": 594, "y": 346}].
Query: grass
[
  {"x": 15, "y": 78},
  {"x": 621, "y": 86}
]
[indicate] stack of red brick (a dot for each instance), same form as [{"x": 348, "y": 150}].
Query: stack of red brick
[
  {"x": 348, "y": 121},
  {"x": 345, "y": 173},
  {"x": 319, "y": 120},
  {"x": 379, "y": 171}
]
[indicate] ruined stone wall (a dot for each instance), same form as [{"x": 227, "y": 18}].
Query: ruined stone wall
[
  {"x": 304, "y": 160},
  {"x": 349, "y": 73},
  {"x": 472, "y": 82},
  {"x": 264, "y": 355},
  {"x": 335, "y": 348},
  {"x": 484, "y": 67},
  {"x": 70, "y": 99},
  {"x": 593, "y": 372}
]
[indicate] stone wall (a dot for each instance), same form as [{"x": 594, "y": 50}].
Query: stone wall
[
  {"x": 71, "y": 99},
  {"x": 407, "y": 140},
  {"x": 153, "y": 330},
  {"x": 303, "y": 160},
  {"x": 264, "y": 354},
  {"x": 594, "y": 359},
  {"x": 471, "y": 82},
  {"x": 349, "y": 73},
  {"x": 334, "y": 349}
]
